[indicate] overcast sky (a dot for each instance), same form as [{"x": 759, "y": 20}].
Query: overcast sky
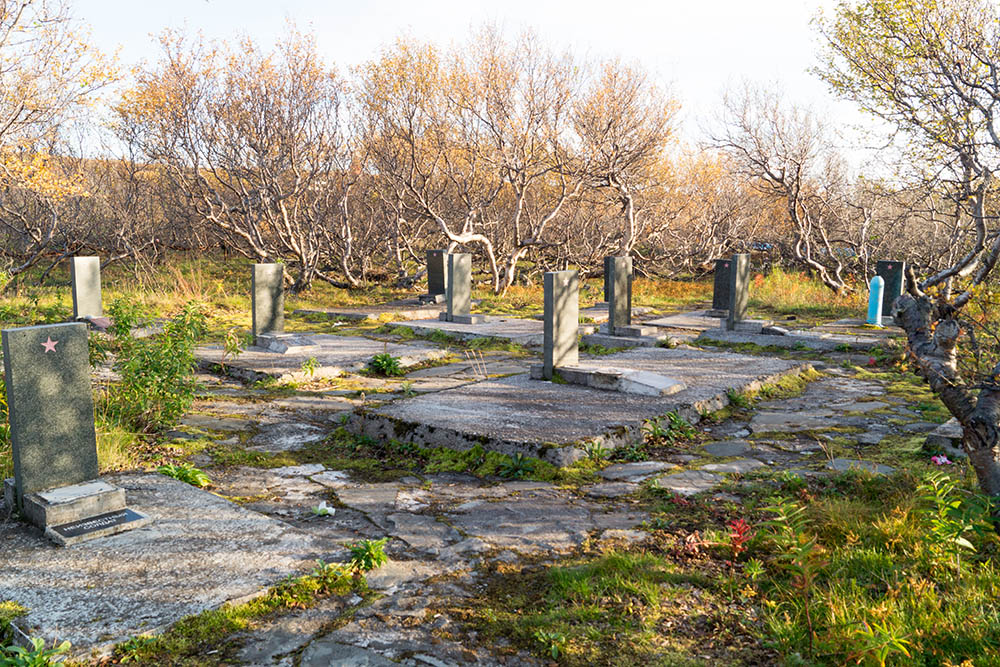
[{"x": 696, "y": 48}]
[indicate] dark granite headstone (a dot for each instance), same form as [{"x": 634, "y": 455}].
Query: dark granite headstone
[
  {"x": 85, "y": 277},
  {"x": 892, "y": 273},
  {"x": 562, "y": 321},
  {"x": 739, "y": 289},
  {"x": 437, "y": 272},
  {"x": 618, "y": 274},
  {"x": 720, "y": 291},
  {"x": 608, "y": 261},
  {"x": 47, "y": 371},
  {"x": 268, "y": 302}
]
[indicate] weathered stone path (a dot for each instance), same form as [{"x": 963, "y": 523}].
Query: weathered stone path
[{"x": 445, "y": 526}]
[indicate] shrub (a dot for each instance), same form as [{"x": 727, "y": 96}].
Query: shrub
[{"x": 157, "y": 383}]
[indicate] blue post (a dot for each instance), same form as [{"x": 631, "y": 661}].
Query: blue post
[{"x": 875, "y": 301}]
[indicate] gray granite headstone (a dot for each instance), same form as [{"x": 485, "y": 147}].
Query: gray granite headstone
[
  {"x": 85, "y": 275},
  {"x": 739, "y": 289},
  {"x": 459, "y": 285},
  {"x": 892, "y": 273},
  {"x": 620, "y": 295},
  {"x": 562, "y": 320},
  {"x": 268, "y": 303},
  {"x": 720, "y": 292},
  {"x": 608, "y": 261},
  {"x": 437, "y": 272},
  {"x": 47, "y": 371}
]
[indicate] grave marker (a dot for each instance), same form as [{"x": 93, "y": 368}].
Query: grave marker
[
  {"x": 720, "y": 290},
  {"x": 562, "y": 321},
  {"x": 608, "y": 264},
  {"x": 51, "y": 410},
  {"x": 85, "y": 276},
  {"x": 618, "y": 277},
  {"x": 875, "y": 301},
  {"x": 892, "y": 273},
  {"x": 739, "y": 290},
  {"x": 437, "y": 277},
  {"x": 268, "y": 299},
  {"x": 459, "y": 291},
  {"x": 267, "y": 308}
]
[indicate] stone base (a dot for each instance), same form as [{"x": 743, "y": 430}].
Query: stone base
[
  {"x": 462, "y": 319},
  {"x": 77, "y": 513},
  {"x": 96, "y": 322},
  {"x": 622, "y": 380},
  {"x": 636, "y": 331},
  {"x": 283, "y": 343},
  {"x": 431, "y": 298},
  {"x": 748, "y": 326},
  {"x": 715, "y": 312},
  {"x": 603, "y": 339}
]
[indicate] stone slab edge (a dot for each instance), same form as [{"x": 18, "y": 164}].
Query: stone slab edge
[
  {"x": 368, "y": 422},
  {"x": 786, "y": 341},
  {"x": 322, "y": 371},
  {"x": 609, "y": 341}
]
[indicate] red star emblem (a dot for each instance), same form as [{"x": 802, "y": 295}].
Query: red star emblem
[{"x": 49, "y": 344}]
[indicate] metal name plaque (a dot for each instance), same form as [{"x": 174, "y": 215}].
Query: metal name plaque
[{"x": 95, "y": 523}]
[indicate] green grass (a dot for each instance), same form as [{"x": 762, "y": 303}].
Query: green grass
[{"x": 210, "y": 638}]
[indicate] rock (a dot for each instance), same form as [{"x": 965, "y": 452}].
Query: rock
[
  {"x": 326, "y": 653},
  {"x": 610, "y": 490},
  {"x": 285, "y": 437},
  {"x": 870, "y": 437},
  {"x": 397, "y": 572},
  {"x": 739, "y": 466},
  {"x": 841, "y": 465},
  {"x": 299, "y": 471},
  {"x": 622, "y": 534},
  {"x": 728, "y": 448},
  {"x": 634, "y": 472},
  {"x": 689, "y": 482},
  {"x": 333, "y": 479},
  {"x": 786, "y": 422},
  {"x": 918, "y": 427}
]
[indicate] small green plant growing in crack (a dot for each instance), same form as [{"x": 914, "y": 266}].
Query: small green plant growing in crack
[
  {"x": 596, "y": 451},
  {"x": 553, "y": 643},
  {"x": 517, "y": 467},
  {"x": 367, "y": 555},
  {"x": 738, "y": 399},
  {"x": 35, "y": 656},
  {"x": 185, "y": 472},
  {"x": 309, "y": 366},
  {"x": 385, "y": 364}
]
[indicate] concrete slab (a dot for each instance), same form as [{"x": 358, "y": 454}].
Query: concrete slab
[
  {"x": 516, "y": 330},
  {"x": 334, "y": 355},
  {"x": 809, "y": 339},
  {"x": 199, "y": 552},
  {"x": 519, "y": 415}
]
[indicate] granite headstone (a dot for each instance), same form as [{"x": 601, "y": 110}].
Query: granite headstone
[
  {"x": 562, "y": 321},
  {"x": 437, "y": 276},
  {"x": 51, "y": 407},
  {"x": 892, "y": 273},
  {"x": 739, "y": 289},
  {"x": 618, "y": 274},
  {"x": 268, "y": 302},
  {"x": 85, "y": 276},
  {"x": 720, "y": 290}
]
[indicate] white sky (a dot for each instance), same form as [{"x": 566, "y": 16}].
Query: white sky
[{"x": 696, "y": 47}]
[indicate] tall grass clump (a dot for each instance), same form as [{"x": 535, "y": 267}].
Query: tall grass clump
[{"x": 793, "y": 293}]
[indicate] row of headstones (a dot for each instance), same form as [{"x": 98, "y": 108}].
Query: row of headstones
[{"x": 731, "y": 288}]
